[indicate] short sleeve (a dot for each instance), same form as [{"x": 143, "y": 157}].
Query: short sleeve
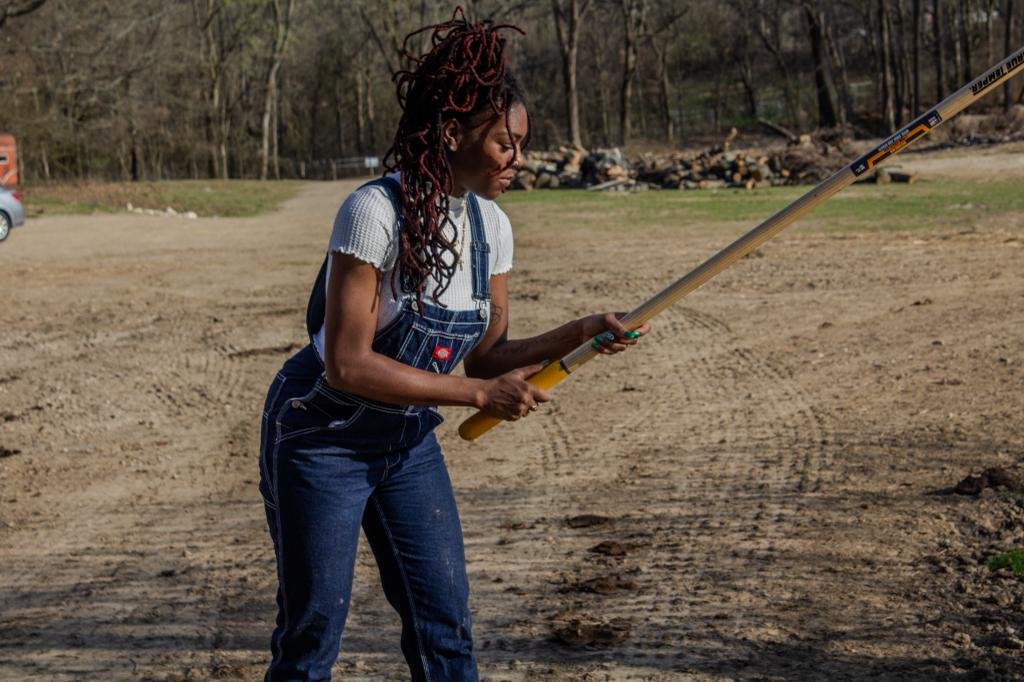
[
  {"x": 504, "y": 255},
  {"x": 366, "y": 227}
]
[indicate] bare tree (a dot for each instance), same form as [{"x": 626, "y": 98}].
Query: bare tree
[
  {"x": 916, "y": 50},
  {"x": 769, "y": 15},
  {"x": 633, "y": 17},
  {"x": 816, "y": 25},
  {"x": 282, "y": 17},
  {"x": 965, "y": 41},
  {"x": 885, "y": 66},
  {"x": 837, "y": 60},
  {"x": 569, "y": 16},
  {"x": 661, "y": 38},
  {"x": 939, "y": 57},
  {"x": 225, "y": 51}
]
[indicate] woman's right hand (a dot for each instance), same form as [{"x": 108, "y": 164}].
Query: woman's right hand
[{"x": 509, "y": 396}]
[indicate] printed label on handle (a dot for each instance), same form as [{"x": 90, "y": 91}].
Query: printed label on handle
[{"x": 896, "y": 142}]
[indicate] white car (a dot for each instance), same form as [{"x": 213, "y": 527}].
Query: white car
[{"x": 12, "y": 213}]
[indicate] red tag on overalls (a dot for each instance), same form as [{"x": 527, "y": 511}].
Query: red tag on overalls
[{"x": 442, "y": 352}]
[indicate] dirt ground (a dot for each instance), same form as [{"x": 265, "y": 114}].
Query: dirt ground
[{"x": 758, "y": 491}]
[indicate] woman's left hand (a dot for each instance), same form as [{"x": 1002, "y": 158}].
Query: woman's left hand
[{"x": 606, "y": 333}]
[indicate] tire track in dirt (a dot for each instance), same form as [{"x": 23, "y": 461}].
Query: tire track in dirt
[
  {"x": 696, "y": 465},
  {"x": 205, "y": 361}
]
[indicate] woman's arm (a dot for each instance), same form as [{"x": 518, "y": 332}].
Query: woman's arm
[
  {"x": 352, "y": 365},
  {"x": 496, "y": 354}
]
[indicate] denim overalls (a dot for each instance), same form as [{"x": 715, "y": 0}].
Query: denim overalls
[{"x": 332, "y": 461}]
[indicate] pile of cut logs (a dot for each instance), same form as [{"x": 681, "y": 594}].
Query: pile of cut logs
[{"x": 805, "y": 162}]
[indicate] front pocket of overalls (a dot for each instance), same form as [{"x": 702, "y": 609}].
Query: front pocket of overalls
[
  {"x": 323, "y": 408},
  {"x": 439, "y": 351}
]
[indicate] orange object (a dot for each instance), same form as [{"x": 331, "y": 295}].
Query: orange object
[{"x": 8, "y": 161}]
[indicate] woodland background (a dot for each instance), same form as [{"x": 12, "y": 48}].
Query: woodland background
[{"x": 148, "y": 90}]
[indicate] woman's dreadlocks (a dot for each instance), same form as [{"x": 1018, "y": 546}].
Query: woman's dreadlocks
[{"x": 462, "y": 74}]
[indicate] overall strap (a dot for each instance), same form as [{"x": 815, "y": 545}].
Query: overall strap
[
  {"x": 316, "y": 307},
  {"x": 481, "y": 251}
]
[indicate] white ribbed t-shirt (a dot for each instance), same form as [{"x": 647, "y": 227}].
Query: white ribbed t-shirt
[{"x": 367, "y": 227}]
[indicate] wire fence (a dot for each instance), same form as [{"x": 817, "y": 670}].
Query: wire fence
[{"x": 330, "y": 169}]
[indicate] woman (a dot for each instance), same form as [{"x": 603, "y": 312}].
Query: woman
[{"x": 348, "y": 425}]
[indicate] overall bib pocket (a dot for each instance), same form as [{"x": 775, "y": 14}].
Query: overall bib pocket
[{"x": 438, "y": 350}]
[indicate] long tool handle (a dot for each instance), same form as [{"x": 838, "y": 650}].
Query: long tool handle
[{"x": 556, "y": 372}]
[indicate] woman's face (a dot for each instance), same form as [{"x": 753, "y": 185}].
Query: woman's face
[{"x": 484, "y": 158}]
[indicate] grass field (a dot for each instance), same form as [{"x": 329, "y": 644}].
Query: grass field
[
  {"x": 228, "y": 198},
  {"x": 925, "y": 204}
]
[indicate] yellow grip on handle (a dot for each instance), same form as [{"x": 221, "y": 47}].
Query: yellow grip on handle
[{"x": 480, "y": 423}]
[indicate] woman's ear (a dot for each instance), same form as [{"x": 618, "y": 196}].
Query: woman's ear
[{"x": 451, "y": 135}]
